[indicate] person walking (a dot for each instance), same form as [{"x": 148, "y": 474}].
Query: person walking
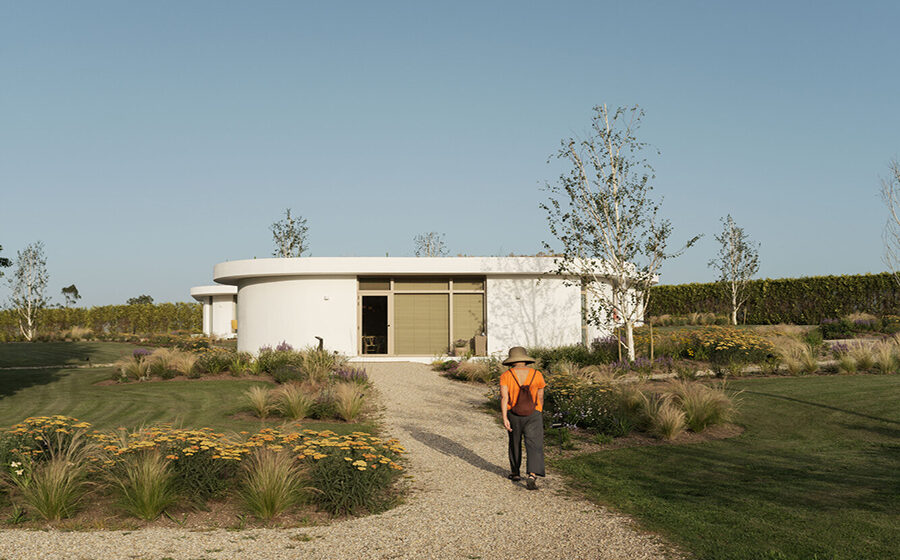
[{"x": 521, "y": 406}]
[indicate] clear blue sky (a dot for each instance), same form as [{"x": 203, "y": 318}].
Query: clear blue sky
[{"x": 145, "y": 142}]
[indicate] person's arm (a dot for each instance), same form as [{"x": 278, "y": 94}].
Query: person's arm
[
  {"x": 504, "y": 402},
  {"x": 540, "y": 398}
]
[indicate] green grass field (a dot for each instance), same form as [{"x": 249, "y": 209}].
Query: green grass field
[
  {"x": 28, "y": 354},
  {"x": 190, "y": 403},
  {"x": 816, "y": 475}
]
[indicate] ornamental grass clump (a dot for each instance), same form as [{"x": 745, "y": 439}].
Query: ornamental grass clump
[
  {"x": 476, "y": 371},
  {"x": 133, "y": 367},
  {"x": 797, "y": 357},
  {"x": 52, "y": 473},
  {"x": 666, "y": 419},
  {"x": 884, "y": 354},
  {"x": 273, "y": 482},
  {"x": 349, "y": 400},
  {"x": 703, "y": 406},
  {"x": 294, "y": 401},
  {"x": 260, "y": 400},
  {"x": 862, "y": 353},
  {"x": 145, "y": 484}
]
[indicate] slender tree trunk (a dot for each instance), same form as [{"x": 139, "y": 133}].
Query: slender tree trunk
[
  {"x": 649, "y": 322},
  {"x": 734, "y": 305},
  {"x": 629, "y": 339}
]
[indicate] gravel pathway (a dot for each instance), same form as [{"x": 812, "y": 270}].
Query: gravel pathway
[{"x": 461, "y": 505}]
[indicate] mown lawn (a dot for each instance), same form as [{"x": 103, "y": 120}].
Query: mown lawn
[
  {"x": 28, "y": 354},
  {"x": 816, "y": 474},
  {"x": 190, "y": 403}
]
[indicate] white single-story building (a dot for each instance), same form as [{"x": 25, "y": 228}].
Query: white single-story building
[
  {"x": 219, "y": 309},
  {"x": 404, "y": 307}
]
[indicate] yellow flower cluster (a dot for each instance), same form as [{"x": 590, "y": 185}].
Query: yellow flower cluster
[
  {"x": 360, "y": 449},
  {"x": 38, "y": 432}
]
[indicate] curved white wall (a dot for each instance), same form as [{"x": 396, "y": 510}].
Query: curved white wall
[
  {"x": 296, "y": 310},
  {"x": 531, "y": 311},
  {"x": 222, "y": 311}
]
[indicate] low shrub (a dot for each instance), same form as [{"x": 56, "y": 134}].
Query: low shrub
[
  {"x": 272, "y": 482},
  {"x": 350, "y": 373},
  {"x": 269, "y": 360},
  {"x": 214, "y": 360},
  {"x": 574, "y": 402},
  {"x": 351, "y": 473},
  {"x": 287, "y": 373},
  {"x": 317, "y": 365},
  {"x": 836, "y": 328},
  {"x": 240, "y": 363}
]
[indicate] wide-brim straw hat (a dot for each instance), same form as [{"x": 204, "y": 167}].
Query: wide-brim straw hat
[{"x": 518, "y": 354}]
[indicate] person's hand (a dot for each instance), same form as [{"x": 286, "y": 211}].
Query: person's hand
[{"x": 506, "y": 425}]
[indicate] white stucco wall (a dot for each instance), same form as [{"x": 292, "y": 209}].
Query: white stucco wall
[
  {"x": 296, "y": 309},
  {"x": 218, "y": 309},
  {"x": 531, "y": 311},
  {"x": 223, "y": 311}
]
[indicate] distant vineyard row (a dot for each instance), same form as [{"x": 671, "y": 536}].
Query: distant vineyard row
[{"x": 108, "y": 320}]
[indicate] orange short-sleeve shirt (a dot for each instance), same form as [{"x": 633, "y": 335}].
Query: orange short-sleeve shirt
[{"x": 534, "y": 378}]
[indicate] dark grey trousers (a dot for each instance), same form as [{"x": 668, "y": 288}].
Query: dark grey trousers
[{"x": 532, "y": 427}]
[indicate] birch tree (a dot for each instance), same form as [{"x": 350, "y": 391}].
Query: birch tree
[
  {"x": 430, "y": 244},
  {"x": 28, "y": 284},
  {"x": 737, "y": 262},
  {"x": 290, "y": 236},
  {"x": 602, "y": 213},
  {"x": 890, "y": 192}
]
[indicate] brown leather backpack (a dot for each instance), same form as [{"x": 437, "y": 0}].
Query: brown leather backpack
[{"x": 524, "y": 403}]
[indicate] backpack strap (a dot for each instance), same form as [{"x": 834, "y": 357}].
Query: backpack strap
[{"x": 531, "y": 371}]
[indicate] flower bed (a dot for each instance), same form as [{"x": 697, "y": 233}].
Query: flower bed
[{"x": 340, "y": 474}]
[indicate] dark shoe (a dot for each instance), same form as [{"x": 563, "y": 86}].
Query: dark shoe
[
  {"x": 514, "y": 477},
  {"x": 531, "y": 482}
]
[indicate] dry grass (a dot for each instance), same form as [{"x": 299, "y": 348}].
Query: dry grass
[
  {"x": 862, "y": 354},
  {"x": 796, "y": 356},
  {"x": 475, "y": 370},
  {"x": 259, "y": 399},
  {"x": 782, "y": 329},
  {"x": 349, "y": 399},
  {"x": 667, "y": 421},
  {"x": 273, "y": 483},
  {"x": 861, "y": 317},
  {"x": 884, "y": 354},
  {"x": 703, "y": 405},
  {"x": 131, "y": 367},
  {"x": 295, "y": 401}
]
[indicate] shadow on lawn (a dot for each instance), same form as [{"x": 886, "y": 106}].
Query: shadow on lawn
[
  {"x": 14, "y": 380},
  {"x": 449, "y": 447},
  {"x": 737, "y": 478},
  {"x": 820, "y": 405}
]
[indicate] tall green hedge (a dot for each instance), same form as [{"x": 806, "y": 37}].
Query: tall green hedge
[
  {"x": 141, "y": 319},
  {"x": 803, "y": 301}
]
